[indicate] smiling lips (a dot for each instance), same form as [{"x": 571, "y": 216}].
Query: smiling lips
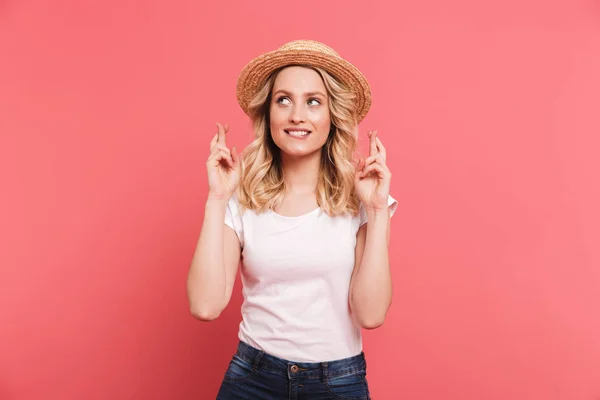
[{"x": 297, "y": 133}]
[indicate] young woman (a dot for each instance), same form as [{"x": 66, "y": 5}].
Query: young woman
[{"x": 310, "y": 223}]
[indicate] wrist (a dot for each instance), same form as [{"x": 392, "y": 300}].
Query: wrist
[
  {"x": 376, "y": 213},
  {"x": 217, "y": 200}
]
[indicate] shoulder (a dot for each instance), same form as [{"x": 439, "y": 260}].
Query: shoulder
[{"x": 233, "y": 217}]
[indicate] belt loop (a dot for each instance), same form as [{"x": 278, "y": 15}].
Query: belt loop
[
  {"x": 325, "y": 372},
  {"x": 257, "y": 359}
]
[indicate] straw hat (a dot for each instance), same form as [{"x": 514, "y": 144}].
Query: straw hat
[{"x": 303, "y": 52}]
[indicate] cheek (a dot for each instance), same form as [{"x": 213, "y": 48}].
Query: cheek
[
  {"x": 277, "y": 118},
  {"x": 322, "y": 120}
]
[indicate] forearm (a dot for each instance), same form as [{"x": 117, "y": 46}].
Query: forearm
[
  {"x": 371, "y": 292},
  {"x": 206, "y": 279}
]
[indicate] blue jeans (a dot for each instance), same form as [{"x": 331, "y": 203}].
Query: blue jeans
[{"x": 256, "y": 375}]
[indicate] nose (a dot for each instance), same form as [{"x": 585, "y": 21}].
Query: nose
[{"x": 297, "y": 115}]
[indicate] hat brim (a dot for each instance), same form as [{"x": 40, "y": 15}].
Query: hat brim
[{"x": 256, "y": 72}]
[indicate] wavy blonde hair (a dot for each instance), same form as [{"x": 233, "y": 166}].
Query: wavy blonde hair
[{"x": 262, "y": 185}]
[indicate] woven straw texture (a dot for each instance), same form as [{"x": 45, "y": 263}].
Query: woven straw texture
[{"x": 303, "y": 52}]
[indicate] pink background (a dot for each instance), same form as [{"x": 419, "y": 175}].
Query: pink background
[{"x": 490, "y": 113}]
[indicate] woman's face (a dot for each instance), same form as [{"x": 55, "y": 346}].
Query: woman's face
[{"x": 300, "y": 120}]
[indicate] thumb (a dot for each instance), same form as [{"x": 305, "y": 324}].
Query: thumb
[
  {"x": 235, "y": 157},
  {"x": 360, "y": 164},
  {"x": 358, "y": 169}
]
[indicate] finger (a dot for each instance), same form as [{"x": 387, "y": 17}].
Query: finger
[
  {"x": 213, "y": 142},
  {"x": 221, "y": 139},
  {"x": 377, "y": 158},
  {"x": 373, "y": 143},
  {"x": 235, "y": 157},
  {"x": 218, "y": 157},
  {"x": 225, "y": 156},
  {"x": 378, "y": 168},
  {"x": 219, "y": 146},
  {"x": 360, "y": 165},
  {"x": 381, "y": 149},
  {"x": 214, "y": 160}
]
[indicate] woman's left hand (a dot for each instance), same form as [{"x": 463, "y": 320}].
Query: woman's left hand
[{"x": 372, "y": 176}]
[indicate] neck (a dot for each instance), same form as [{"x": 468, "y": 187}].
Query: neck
[{"x": 301, "y": 174}]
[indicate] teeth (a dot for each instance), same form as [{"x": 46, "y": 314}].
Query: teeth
[{"x": 298, "y": 133}]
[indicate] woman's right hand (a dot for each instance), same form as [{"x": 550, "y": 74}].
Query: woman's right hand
[{"x": 223, "y": 167}]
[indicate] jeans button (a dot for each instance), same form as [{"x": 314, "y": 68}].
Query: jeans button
[{"x": 294, "y": 369}]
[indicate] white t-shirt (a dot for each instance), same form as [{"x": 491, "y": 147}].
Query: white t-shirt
[{"x": 296, "y": 278}]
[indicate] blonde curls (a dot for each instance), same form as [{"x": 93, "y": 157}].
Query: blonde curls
[{"x": 262, "y": 185}]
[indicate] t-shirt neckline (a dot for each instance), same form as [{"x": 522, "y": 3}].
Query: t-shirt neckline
[{"x": 296, "y": 217}]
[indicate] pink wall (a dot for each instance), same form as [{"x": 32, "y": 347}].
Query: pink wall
[{"x": 491, "y": 118}]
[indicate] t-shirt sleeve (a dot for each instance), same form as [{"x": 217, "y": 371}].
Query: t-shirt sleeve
[
  {"x": 392, "y": 205},
  {"x": 233, "y": 218}
]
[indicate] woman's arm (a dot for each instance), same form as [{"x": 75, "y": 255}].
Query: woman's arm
[
  {"x": 371, "y": 284},
  {"x": 214, "y": 264},
  {"x": 217, "y": 255}
]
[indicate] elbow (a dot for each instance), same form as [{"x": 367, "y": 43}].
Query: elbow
[
  {"x": 372, "y": 318},
  {"x": 369, "y": 316},
  {"x": 204, "y": 313},
  {"x": 204, "y": 306},
  {"x": 371, "y": 322}
]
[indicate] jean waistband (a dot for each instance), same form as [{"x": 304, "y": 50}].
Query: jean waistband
[{"x": 319, "y": 370}]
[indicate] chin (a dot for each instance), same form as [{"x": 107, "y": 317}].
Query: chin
[
  {"x": 296, "y": 149},
  {"x": 298, "y": 152},
  {"x": 300, "y": 148}
]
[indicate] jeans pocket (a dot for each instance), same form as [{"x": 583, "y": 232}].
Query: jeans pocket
[
  {"x": 348, "y": 387},
  {"x": 238, "y": 370}
]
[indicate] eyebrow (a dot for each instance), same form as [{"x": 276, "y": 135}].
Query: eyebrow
[{"x": 307, "y": 94}]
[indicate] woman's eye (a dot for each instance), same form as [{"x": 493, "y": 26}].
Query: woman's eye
[
  {"x": 283, "y": 100},
  {"x": 314, "y": 102}
]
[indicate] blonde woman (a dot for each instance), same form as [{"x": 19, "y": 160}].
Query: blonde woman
[{"x": 310, "y": 223}]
